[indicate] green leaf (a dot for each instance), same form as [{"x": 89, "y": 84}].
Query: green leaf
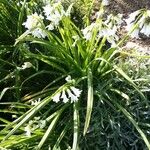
[
  {"x": 121, "y": 72},
  {"x": 76, "y": 126},
  {"x": 56, "y": 146},
  {"x": 89, "y": 101},
  {"x": 128, "y": 115},
  {"x": 47, "y": 133},
  {"x": 51, "y": 127}
]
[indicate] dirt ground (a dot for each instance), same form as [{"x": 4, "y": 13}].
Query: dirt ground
[{"x": 128, "y": 6}]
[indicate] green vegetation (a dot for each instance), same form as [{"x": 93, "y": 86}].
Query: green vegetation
[{"x": 66, "y": 83}]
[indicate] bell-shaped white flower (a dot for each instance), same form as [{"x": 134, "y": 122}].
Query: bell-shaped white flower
[
  {"x": 114, "y": 21},
  {"x": 28, "y": 130},
  {"x": 135, "y": 33},
  {"x": 35, "y": 102},
  {"x": 39, "y": 33},
  {"x": 34, "y": 25},
  {"x": 64, "y": 97},
  {"x": 33, "y": 21},
  {"x": 73, "y": 97},
  {"x": 129, "y": 26},
  {"x": 68, "y": 78},
  {"x": 50, "y": 27},
  {"x": 132, "y": 17},
  {"x": 26, "y": 65},
  {"x": 146, "y": 29},
  {"x": 48, "y": 9},
  {"x": 88, "y": 31},
  {"x": 56, "y": 98},
  {"x": 54, "y": 13},
  {"x": 76, "y": 91},
  {"x": 42, "y": 124}
]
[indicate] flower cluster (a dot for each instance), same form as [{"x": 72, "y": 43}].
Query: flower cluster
[
  {"x": 34, "y": 24},
  {"x": 140, "y": 19},
  {"x": 110, "y": 28},
  {"x": 54, "y": 13},
  {"x": 33, "y": 125},
  {"x": 71, "y": 94},
  {"x": 107, "y": 28}
]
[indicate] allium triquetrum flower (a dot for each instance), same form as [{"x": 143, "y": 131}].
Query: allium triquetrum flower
[{"x": 34, "y": 25}]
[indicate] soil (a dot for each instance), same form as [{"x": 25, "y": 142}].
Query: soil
[{"x": 128, "y": 6}]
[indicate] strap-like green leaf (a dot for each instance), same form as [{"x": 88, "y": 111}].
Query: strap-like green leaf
[
  {"x": 128, "y": 115},
  {"x": 76, "y": 127},
  {"x": 89, "y": 101}
]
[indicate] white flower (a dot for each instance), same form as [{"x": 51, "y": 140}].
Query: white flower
[
  {"x": 146, "y": 29},
  {"x": 73, "y": 97},
  {"x": 76, "y": 91},
  {"x": 109, "y": 33},
  {"x": 88, "y": 31},
  {"x": 68, "y": 12},
  {"x": 56, "y": 98},
  {"x": 114, "y": 20},
  {"x": 36, "y": 118},
  {"x": 142, "y": 21},
  {"x": 129, "y": 26},
  {"x": 99, "y": 14},
  {"x": 50, "y": 27},
  {"x": 132, "y": 17},
  {"x": 87, "y": 35},
  {"x": 34, "y": 25},
  {"x": 131, "y": 22},
  {"x": 39, "y": 33},
  {"x": 33, "y": 21},
  {"x": 142, "y": 25},
  {"x": 48, "y": 9},
  {"x": 64, "y": 97},
  {"x": 28, "y": 130},
  {"x": 42, "y": 124},
  {"x": 26, "y": 65},
  {"x": 54, "y": 13},
  {"x": 68, "y": 78},
  {"x": 135, "y": 33},
  {"x": 35, "y": 102},
  {"x": 105, "y": 2},
  {"x": 76, "y": 37}
]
